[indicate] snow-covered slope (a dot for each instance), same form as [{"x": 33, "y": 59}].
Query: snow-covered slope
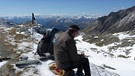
[
  {"x": 100, "y": 56},
  {"x": 101, "y": 63},
  {"x": 43, "y": 69}
]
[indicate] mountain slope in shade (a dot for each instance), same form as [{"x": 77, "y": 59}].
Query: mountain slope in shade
[{"x": 122, "y": 20}]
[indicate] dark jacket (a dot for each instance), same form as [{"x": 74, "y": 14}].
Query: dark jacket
[
  {"x": 45, "y": 46},
  {"x": 46, "y": 43},
  {"x": 65, "y": 51}
]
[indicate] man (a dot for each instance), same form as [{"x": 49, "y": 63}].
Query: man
[
  {"x": 45, "y": 46},
  {"x": 65, "y": 53}
]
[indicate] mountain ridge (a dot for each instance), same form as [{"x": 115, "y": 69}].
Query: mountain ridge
[{"x": 123, "y": 20}]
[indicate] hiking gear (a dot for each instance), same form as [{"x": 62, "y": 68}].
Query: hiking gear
[{"x": 55, "y": 70}]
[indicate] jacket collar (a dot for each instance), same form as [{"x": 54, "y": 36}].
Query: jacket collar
[{"x": 69, "y": 34}]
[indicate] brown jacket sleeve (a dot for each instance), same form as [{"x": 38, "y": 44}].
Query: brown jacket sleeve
[{"x": 72, "y": 50}]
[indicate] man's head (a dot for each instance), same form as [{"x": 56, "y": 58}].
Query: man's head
[{"x": 74, "y": 29}]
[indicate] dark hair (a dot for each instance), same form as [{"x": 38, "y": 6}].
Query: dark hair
[{"x": 74, "y": 27}]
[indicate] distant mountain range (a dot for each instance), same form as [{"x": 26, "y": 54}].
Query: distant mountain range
[
  {"x": 123, "y": 20},
  {"x": 60, "y": 22},
  {"x": 6, "y": 23}
]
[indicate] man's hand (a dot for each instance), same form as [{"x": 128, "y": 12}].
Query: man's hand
[{"x": 81, "y": 54}]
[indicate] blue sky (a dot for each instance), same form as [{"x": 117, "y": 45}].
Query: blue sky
[{"x": 62, "y": 7}]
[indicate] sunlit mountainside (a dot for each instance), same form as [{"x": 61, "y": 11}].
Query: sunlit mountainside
[{"x": 123, "y": 20}]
